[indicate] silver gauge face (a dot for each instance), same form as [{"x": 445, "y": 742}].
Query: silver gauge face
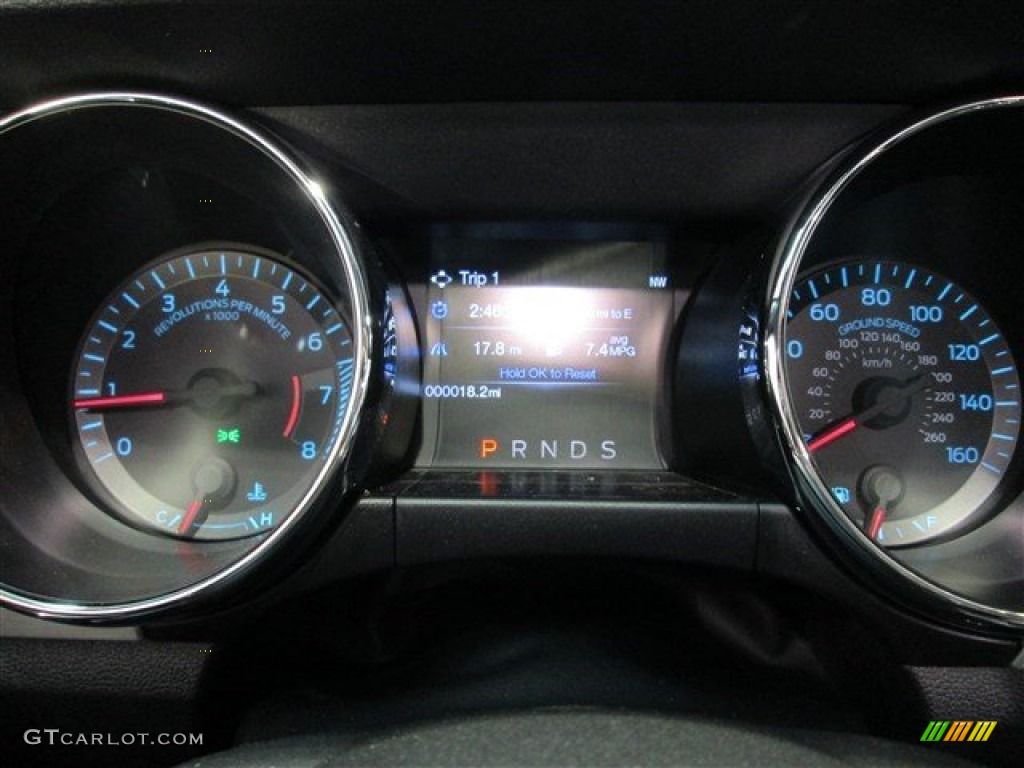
[
  {"x": 209, "y": 392},
  {"x": 907, "y": 396},
  {"x": 213, "y": 399}
]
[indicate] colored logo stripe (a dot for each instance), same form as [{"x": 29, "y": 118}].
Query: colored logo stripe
[
  {"x": 982, "y": 730},
  {"x": 935, "y": 730},
  {"x": 958, "y": 730}
]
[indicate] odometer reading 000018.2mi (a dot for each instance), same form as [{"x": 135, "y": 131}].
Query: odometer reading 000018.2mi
[
  {"x": 907, "y": 396},
  {"x": 208, "y": 392}
]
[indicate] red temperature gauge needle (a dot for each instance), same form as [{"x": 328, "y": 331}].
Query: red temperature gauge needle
[
  {"x": 831, "y": 434},
  {"x": 122, "y": 401},
  {"x": 190, "y": 515}
]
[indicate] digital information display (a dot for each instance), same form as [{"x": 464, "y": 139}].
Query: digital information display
[{"x": 544, "y": 354}]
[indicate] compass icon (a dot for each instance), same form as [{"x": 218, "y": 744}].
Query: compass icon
[{"x": 442, "y": 279}]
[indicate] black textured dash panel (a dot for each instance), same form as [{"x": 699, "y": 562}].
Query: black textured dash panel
[
  {"x": 277, "y": 52},
  {"x": 995, "y": 694},
  {"x": 78, "y": 688},
  {"x": 582, "y": 739},
  {"x": 694, "y": 162}
]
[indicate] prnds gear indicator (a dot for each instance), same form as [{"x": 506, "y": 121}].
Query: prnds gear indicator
[{"x": 544, "y": 354}]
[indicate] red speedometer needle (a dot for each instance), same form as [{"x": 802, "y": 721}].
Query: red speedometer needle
[
  {"x": 190, "y": 515},
  {"x": 123, "y": 401},
  {"x": 831, "y": 434},
  {"x": 895, "y": 396}
]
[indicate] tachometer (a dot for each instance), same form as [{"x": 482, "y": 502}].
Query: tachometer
[
  {"x": 209, "y": 390},
  {"x": 907, "y": 395}
]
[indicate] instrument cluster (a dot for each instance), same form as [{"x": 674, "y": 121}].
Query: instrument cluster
[{"x": 210, "y": 362}]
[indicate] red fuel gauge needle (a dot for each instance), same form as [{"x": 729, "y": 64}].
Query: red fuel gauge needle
[
  {"x": 190, "y": 515},
  {"x": 122, "y": 401},
  {"x": 876, "y": 521},
  {"x": 881, "y": 487}
]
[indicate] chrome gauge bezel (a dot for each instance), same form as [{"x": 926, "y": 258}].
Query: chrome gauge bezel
[
  {"x": 788, "y": 257},
  {"x": 357, "y": 289}
]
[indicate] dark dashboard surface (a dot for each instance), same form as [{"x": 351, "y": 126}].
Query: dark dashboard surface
[
  {"x": 394, "y": 52},
  {"x": 433, "y": 588}
]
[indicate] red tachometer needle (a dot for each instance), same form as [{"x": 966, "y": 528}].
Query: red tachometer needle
[
  {"x": 123, "y": 401},
  {"x": 190, "y": 515},
  {"x": 293, "y": 414},
  {"x": 831, "y": 434}
]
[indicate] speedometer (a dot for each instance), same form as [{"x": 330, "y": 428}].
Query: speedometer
[{"x": 907, "y": 395}]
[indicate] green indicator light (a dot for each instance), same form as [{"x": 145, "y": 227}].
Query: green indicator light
[{"x": 229, "y": 435}]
